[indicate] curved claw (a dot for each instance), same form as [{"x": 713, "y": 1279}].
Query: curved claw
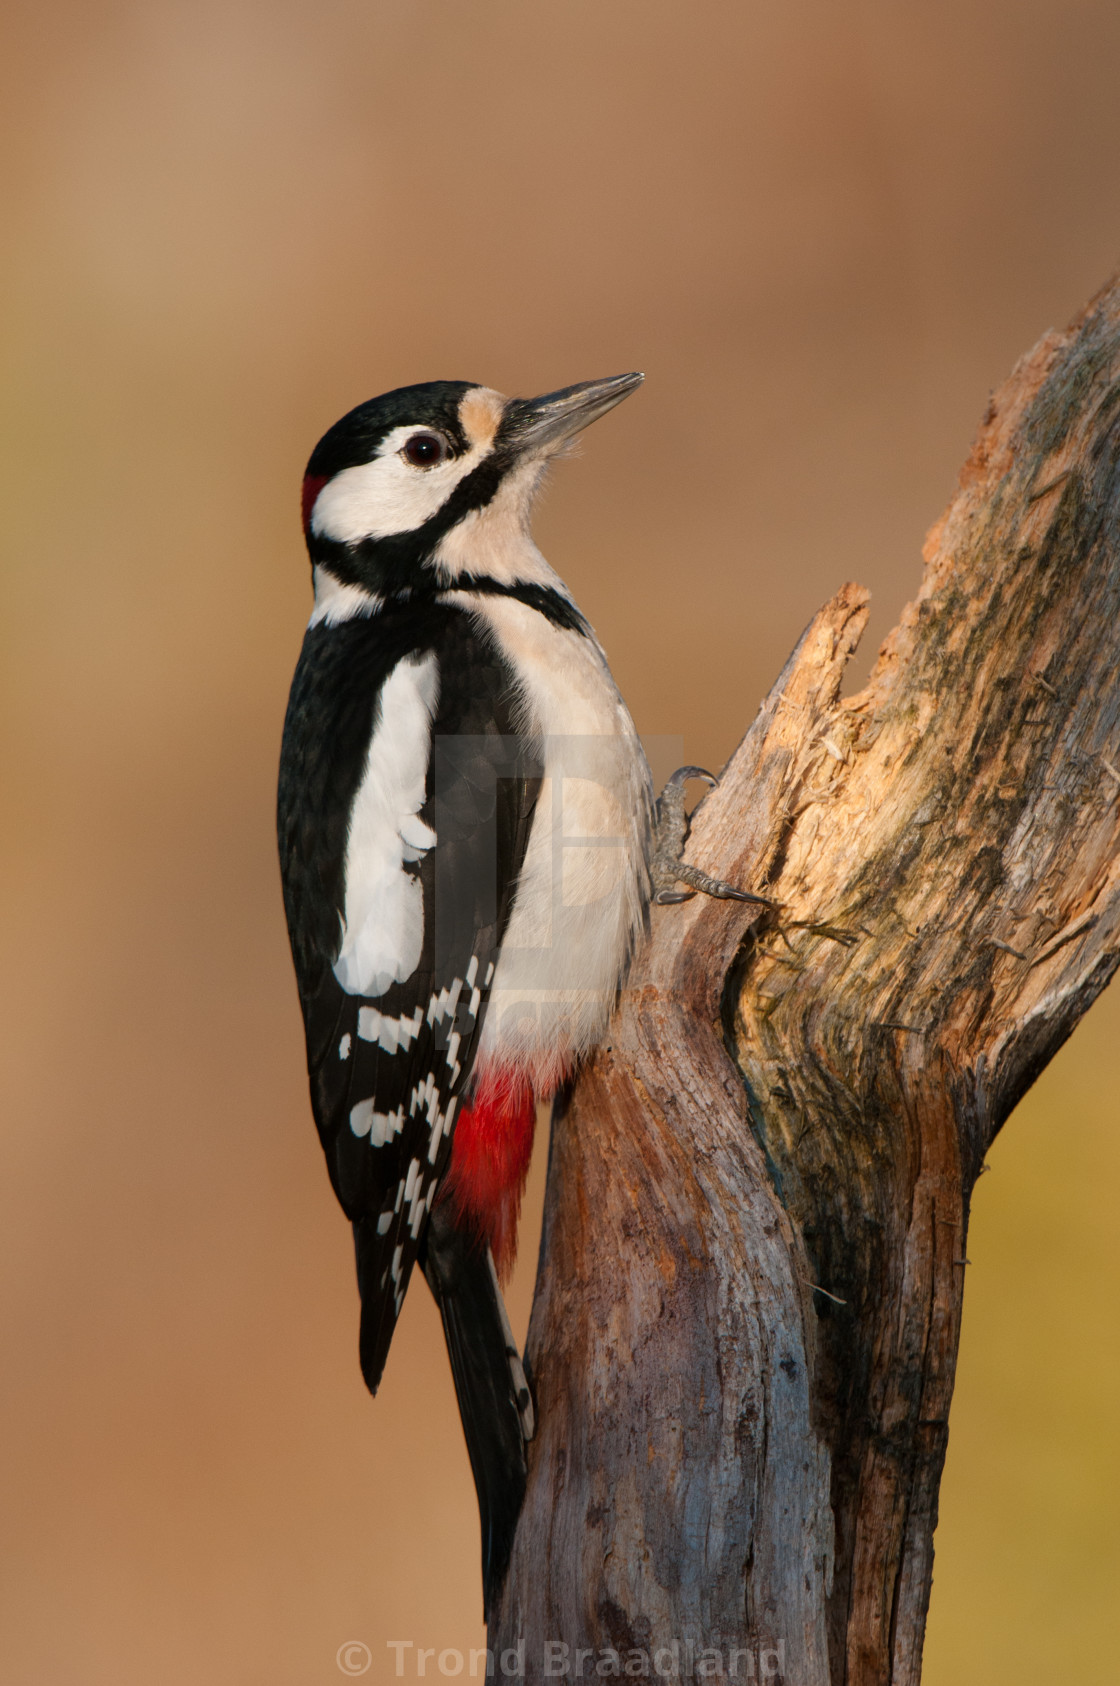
[
  {"x": 683, "y": 774},
  {"x": 716, "y": 887}
]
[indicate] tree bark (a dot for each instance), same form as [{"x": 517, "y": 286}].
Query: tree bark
[{"x": 745, "y": 1328}]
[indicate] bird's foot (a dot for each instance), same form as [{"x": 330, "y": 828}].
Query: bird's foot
[{"x": 667, "y": 869}]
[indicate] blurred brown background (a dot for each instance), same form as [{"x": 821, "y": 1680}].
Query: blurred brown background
[{"x": 825, "y": 232}]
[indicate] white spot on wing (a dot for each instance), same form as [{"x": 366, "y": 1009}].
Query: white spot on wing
[
  {"x": 383, "y": 1223},
  {"x": 344, "y": 1047},
  {"x": 419, "y": 1209},
  {"x": 392, "y": 1034},
  {"x": 385, "y": 1126},
  {"x": 443, "y": 1005},
  {"x": 361, "y": 1117},
  {"x": 441, "y": 1125},
  {"x": 383, "y": 927},
  {"x": 380, "y": 1127}
]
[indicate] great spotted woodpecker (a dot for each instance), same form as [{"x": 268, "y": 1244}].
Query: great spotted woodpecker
[{"x": 464, "y": 823}]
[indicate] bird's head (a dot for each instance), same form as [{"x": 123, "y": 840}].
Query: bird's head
[{"x": 425, "y": 483}]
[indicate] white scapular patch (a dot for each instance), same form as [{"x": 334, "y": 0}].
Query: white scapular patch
[
  {"x": 383, "y": 924},
  {"x": 335, "y": 602},
  {"x": 375, "y": 499}
]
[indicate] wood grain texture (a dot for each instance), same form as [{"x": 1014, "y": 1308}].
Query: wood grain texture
[{"x": 745, "y": 1328}]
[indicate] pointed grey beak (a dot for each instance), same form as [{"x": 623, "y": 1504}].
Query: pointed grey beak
[{"x": 543, "y": 424}]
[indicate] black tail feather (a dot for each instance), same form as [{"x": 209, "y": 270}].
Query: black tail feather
[
  {"x": 379, "y": 1304},
  {"x": 494, "y": 1400}
]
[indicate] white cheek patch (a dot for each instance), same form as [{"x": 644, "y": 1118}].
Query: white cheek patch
[
  {"x": 383, "y": 923},
  {"x": 376, "y": 499}
]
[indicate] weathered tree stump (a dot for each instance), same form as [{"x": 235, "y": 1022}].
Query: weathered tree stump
[{"x": 745, "y": 1328}]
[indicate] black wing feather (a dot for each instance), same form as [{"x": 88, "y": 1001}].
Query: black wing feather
[{"x": 483, "y": 776}]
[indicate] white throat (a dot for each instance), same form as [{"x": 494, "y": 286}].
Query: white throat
[{"x": 495, "y": 541}]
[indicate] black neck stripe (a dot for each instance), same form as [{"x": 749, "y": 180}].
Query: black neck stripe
[
  {"x": 389, "y": 564},
  {"x": 545, "y": 599}
]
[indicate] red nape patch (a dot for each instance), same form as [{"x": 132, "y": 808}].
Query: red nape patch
[
  {"x": 312, "y": 485},
  {"x": 490, "y": 1155}
]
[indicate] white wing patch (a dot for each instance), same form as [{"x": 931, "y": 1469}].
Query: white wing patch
[
  {"x": 381, "y": 1127},
  {"x": 390, "y": 1034},
  {"x": 394, "y": 1035},
  {"x": 383, "y": 926},
  {"x": 398, "y": 1035}
]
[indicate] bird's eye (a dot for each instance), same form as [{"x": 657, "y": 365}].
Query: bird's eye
[{"x": 425, "y": 450}]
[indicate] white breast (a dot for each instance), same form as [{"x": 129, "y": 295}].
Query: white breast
[
  {"x": 580, "y": 902},
  {"x": 383, "y": 925}
]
